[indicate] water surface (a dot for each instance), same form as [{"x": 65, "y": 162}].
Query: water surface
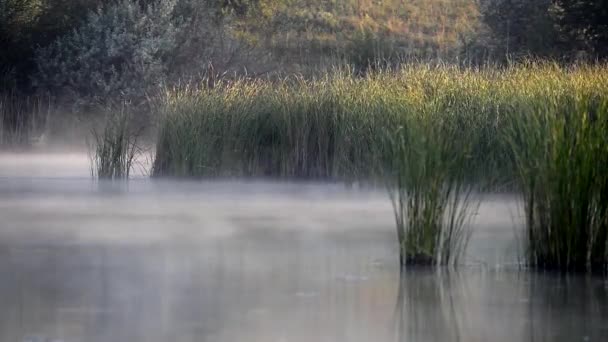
[{"x": 257, "y": 261}]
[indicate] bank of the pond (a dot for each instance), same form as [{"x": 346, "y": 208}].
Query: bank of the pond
[{"x": 431, "y": 134}]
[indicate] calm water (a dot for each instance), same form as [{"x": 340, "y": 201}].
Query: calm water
[{"x": 256, "y": 261}]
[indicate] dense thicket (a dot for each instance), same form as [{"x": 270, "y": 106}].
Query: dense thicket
[
  {"x": 296, "y": 35},
  {"x": 329, "y": 127},
  {"x": 57, "y": 45},
  {"x": 585, "y": 23},
  {"x": 26, "y": 25},
  {"x": 118, "y": 51},
  {"x": 126, "y": 50},
  {"x": 521, "y": 28}
]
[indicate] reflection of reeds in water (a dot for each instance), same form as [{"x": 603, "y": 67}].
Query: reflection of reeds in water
[
  {"x": 566, "y": 308},
  {"x": 425, "y": 308}
]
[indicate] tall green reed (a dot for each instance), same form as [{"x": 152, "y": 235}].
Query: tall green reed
[
  {"x": 290, "y": 128},
  {"x": 560, "y": 153},
  {"x": 429, "y": 160},
  {"x": 23, "y": 119},
  {"x": 432, "y": 134},
  {"x": 115, "y": 145}
]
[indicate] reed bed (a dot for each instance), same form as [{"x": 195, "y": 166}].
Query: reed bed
[
  {"x": 327, "y": 128},
  {"x": 432, "y": 134}
]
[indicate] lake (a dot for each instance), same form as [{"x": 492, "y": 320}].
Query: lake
[{"x": 167, "y": 260}]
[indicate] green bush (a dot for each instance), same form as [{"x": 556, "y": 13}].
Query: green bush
[
  {"x": 26, "y": 25},
  {"x": 119, "y": 52}
]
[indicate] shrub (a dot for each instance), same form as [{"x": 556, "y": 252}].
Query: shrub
[
  {"x": 119, "y": 52},
  {"x": 369, "y": 50},
  {"x": 26, "y": 25},
  {"x": 126, "y": 50},
  {"x": 520, "y": 28}
]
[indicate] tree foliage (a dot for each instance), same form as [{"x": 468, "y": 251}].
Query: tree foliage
[
  {"x": 554, "y": 28},
  {"x": 520, "y": 27},
  {"x": 28, "y": 24},
  {"x": 127, "y": 49},
  {"x": 106, "y": 48},
  {"x": 118, "y": 52},
  {"x": 585, "y": 23}
]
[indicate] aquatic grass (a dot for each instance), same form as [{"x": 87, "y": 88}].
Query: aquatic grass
[
  {"x": 293, "y": 128},
  {"x": 433, "y": 134},
  {"x": 23, "y": 119},
  {"x": 115, "y": 145},
  {"x": 560, "y": 152},
  {"x": 428, "y": 162},
  {"x": 329, "y": 127}
]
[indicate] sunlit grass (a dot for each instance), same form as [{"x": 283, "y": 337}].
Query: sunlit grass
[{"x": 314, "y": 32}]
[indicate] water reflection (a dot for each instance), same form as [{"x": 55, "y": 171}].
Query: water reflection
[
  {"x": 500, "y": 306},
  {"x": 557, "y": 303},
  {"x": 249, "y": 289},
  {"x": 425, "y": 309},
  {"x": 172, "y": 261}
]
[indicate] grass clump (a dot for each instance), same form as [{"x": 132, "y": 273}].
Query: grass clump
[
  {"x": 23, "y": 119},
  {"x": 114, "y": 146},
  {"x": 560, "y": 152},
  {"x": 429, "y": 159}
]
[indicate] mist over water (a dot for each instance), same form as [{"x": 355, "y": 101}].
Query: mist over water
[{"x": 163, "y": 260}]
